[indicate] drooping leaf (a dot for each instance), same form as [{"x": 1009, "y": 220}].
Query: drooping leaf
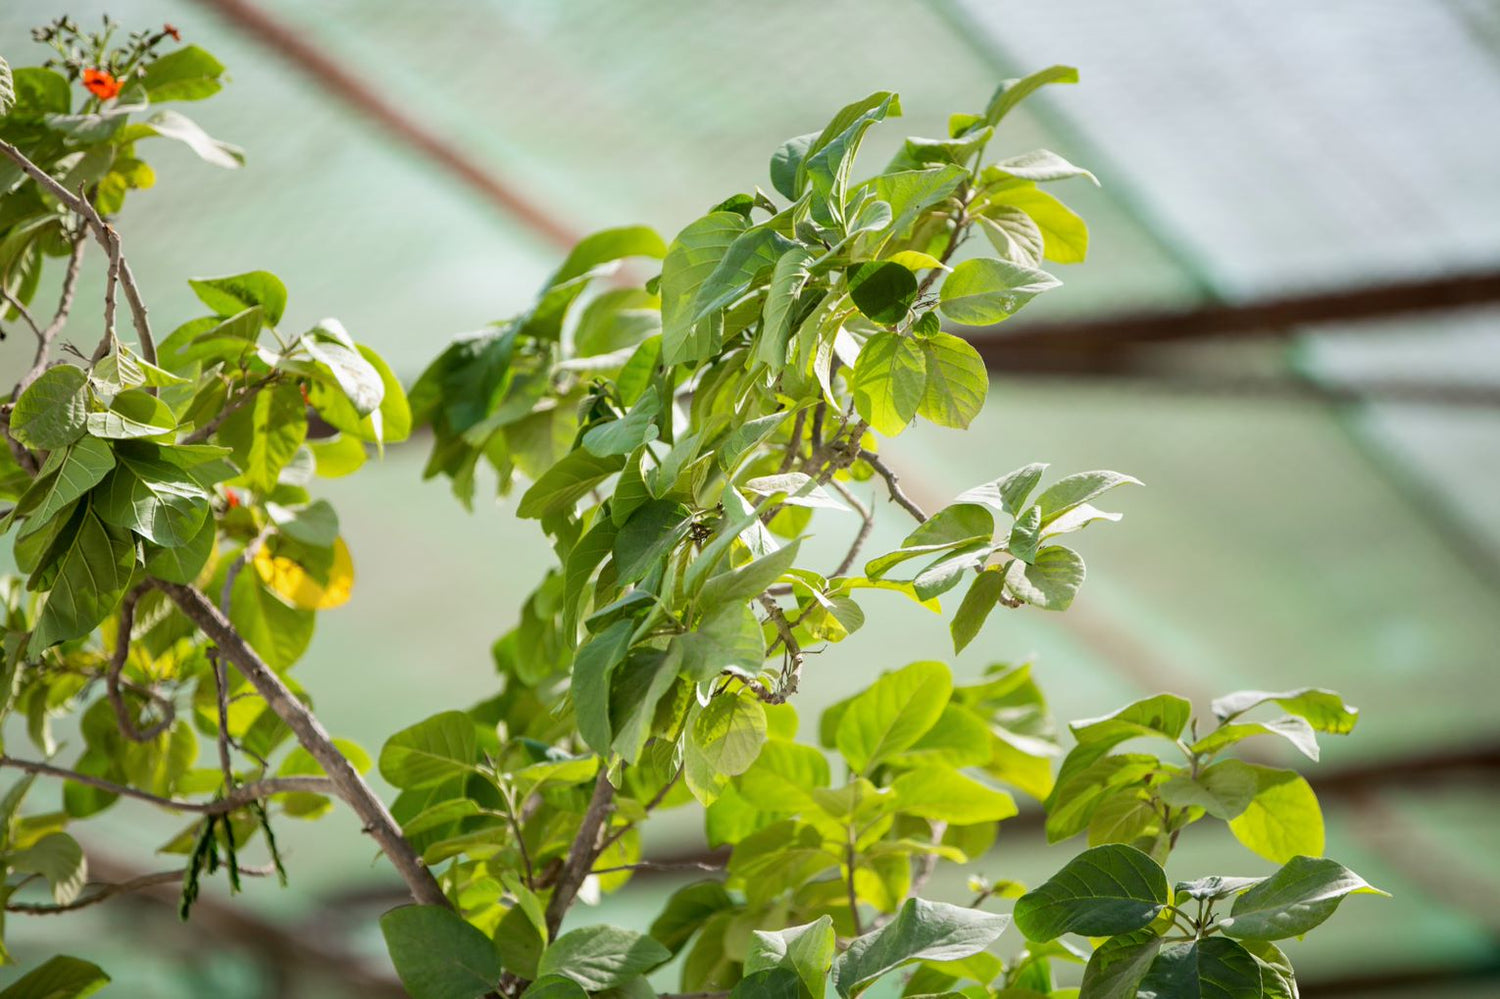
[
  {"x": 92, "y": 574},
  {"x": 431, "y": 751},
  {"x": 1050, "y": 581},
  {"x": 807, "y": 950},
  {"x": 1294, "y": 900},
  {"x": 888, "y": 382},
  {"x": 957, "y": 382},
  {"x": 922, "y": 930},
  {"x": 602, "y": 957}
]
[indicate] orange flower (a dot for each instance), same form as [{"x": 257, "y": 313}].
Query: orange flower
[
  {"x": 101, "y": 84},
  {"x": 169, "y": 29},
  {"x": 232, "y": 498}
]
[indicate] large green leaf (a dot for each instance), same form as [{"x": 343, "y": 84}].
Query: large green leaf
[
  {"x": 433, "y": 750},
  {"x": 1067, "y": 493},
  {"x": 593, "y": 669},
  {"x": 607, "y": 246},
  {"x": 1101, "y": 892},
  {"x": 152, "y": 497},
  {"x": 266, "y": 434},
  {"x": 53, "y": 410},
  {"x": 723, "y": 739},
  {"x": 231, "y": 295},
  {"x": 890, "y": 376},
  {"x": 1162, "y": 716},
  {"x": 1283, "y": 820},
  {"x": 943, "y": 794},
  {"x": 692, "y": 257},
  {"x": 807, "y": 950},
  {"x": 275, "y": 629},
  {"x": 753, "y": 251},
  {"x": 59, "y": 859},
  {"x": 334, "y": 349},
  {"x": 1213, "y": 968},
  {"x": 67, "y": 474},
  {"x": 602, "y": 957},
  {"x": 883, "y": 291},
  {"x": 92, "y": 574},
  {"x": 892, "y": 714},
  {"x": 983, "y": 291},
  {"x": 188, "y": 74},
  {"x": 566, "y": 482},
  {"x": 957, "y": 382},
  {"x": 922, "y": 930},
  {"x": 61, "y": 977},
  {"x": 438, "y": 954},
  {"x": 982, "y": 598},
  {"x": 1294, "y": 900},
  {"x": 1013, "y": 92},
  {"x": 1117, "y": 966},
  {"x": 1050, "y": 580},
  {"x": 647, "y": 537},
  {"x": 1223, "y": 790}
]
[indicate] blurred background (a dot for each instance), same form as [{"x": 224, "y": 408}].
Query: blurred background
[{"x": 1288, "y": 327}]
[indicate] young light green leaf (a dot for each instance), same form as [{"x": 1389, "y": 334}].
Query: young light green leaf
[
  {"x": 1223, "y": 790},
  {"x": 60, "y": 977},
  {"x": 1067, "y": 493},
  {"x": 1324, "y": 710},
  {"x": 982, "y": 597},
  {"x": 807, "y": 949},
  {"x": 59, "y": 859},
  {"x": 983, "y": 291},
  {"x": 892, "y": 714},
  {"x": 171, "y": 125},
  {"x": 1283, "y": 820},
  {"x": 723, "y": 739},
  {"x": 957, "y": 382},
  {"x": 1101, "y": 892},
  {"x": 1163, "y": 716},
  {"x": 889, "y": 379},
  {"x": 1013, "y": 92},
  {"x": 942, "y": 794}
]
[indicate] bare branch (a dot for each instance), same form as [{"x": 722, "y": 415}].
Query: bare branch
[
  {"x": 661, "y": 865},
  {"x": 19, "y": 306},
  {"x": 314, "y": 738},
  {"x": 45, "y": 337},
  {"x": 893, "y": 485},
  {"x": 221, "y": 689},
  {"x": 867, "y": 524},
  {"x": 791, "y": 671},
  {"x": 106, "y": 236},
  {"x": 242, "y": 795},
  {"x": 231, "y": 407},
  {"x": 108, "y": 891},
  {"x": 123, "y": 712},
  {"x": 586, "y": 848}
]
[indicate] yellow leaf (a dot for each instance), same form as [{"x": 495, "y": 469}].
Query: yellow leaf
[{"x": 302, "y": 589}]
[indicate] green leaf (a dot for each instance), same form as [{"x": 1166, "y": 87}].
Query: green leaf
[
  {"x": 1324, "y": 710},
  {"x": 831, "y": 155},
  {"x": 58, "y": 858},
  {"x": 1277, "y": 980},
  {"x": 154, "y": 498},
  {"x": 67, "y": 474},
  {"x": 748, "y": 581},
  {"x": 566, "y": 482},
  {"x": 7, "y": 88},
  {"x": 184, "y": 563},
  {"x": 1008, "y": 493},
  {"x": 607, "y": 246},
  {"x": 892, "y": 714},
  {"x": 1294, "y": 900},
  {"x": 1162, "y": 716},
  {"x": 1117, "y": 966},
  {"x": 787, "y": 279},
  {"x": 438, "y": 955},
  {"x": 171, "y": 125},
  {"x": 1067, "y": 493},
  {"x": 1014, "y": 235},
  {"x": 889, "y": 379},
  {"x": 723, "y": 739},
  {"x": 883, "y": 291},
  {"x": 554, "y": 987},
  {"x": 1013, "y": 92},
  {"x": 1213, "y": 968},
  {"x": 686, "y": 912},
  {"x": 692, "y": 257},
  {"x": 1283, "y": 820},
  {"x": 1223, "y": 790},
  {"x": 431, "y": 751},
  {"x": 53, "y": 411},
  {"x": 1101, "y": 892},
  {"x": 957, "y": 382},
  {"x": 188, "y": 74},
  {"x": 624, "y": 435},
  {"x": 330, "y": 345},
  {"x": 1050, "y": 581},
  {"x": 942, "y": 794},
  {"x": 727, "y": 638},
  {"x": 276, "y": 630},
  {"x": 982, "y": 598},
  {"x": 786, "y": 164},
  {"x": 266, "y": 434},
  {"x": 1291, "y": 728},
  {"x": 602, "y": 957},
  {"x": 92, "y": 574},
  {"x": 593, "y": 668},
  {"x": 753, "y": 251},
  {"x": 1040, "y": 165},
  {"x": 60, "y": 977},
  {"x": 647, "y": 537},
  {"x": 807, "y": 950},
  {"x": 921, "y": 931},
  {"x": 983, "y": 291},
  {"x": 773, "y": 983}
]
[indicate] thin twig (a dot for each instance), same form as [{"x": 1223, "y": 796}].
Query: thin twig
[
  {"x": 314, "y": 738},
  {"x": 108, "y": 891},
  {"x": 46, "y": 337},
  {"x": 794, "y": 442},
  {"x": 893, "y": 485},
  {"x": 19, "y": 306},
  {"x": 791, "y": 671},
  {"x": 661, "y": 865},
  {"x": 656, "y": 799},
  {"x": 221, "y": 688},
  {"x": 867, "y": 524},
  {"x": 243, "y": 795},
  {"x": 251, "y": 549},
  {"x": 112, "y": 679},
  {"x": 586, "y": 848},
  {"x": 246, "y": 394}
]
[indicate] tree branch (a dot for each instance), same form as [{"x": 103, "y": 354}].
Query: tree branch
[
  {"x": 893, "y": 485},
  {"x": 242, "y": 795},
  {"x": 314, "y": 738},
  {"x": 106, "y": 236},
  {"x": 110, "y": 890},
  {"x": 586, "y": 848},
  {"x": 112, "y": 679},
  {"x": 45, "y": 337},
  {"x": 661, "y": 865}
]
